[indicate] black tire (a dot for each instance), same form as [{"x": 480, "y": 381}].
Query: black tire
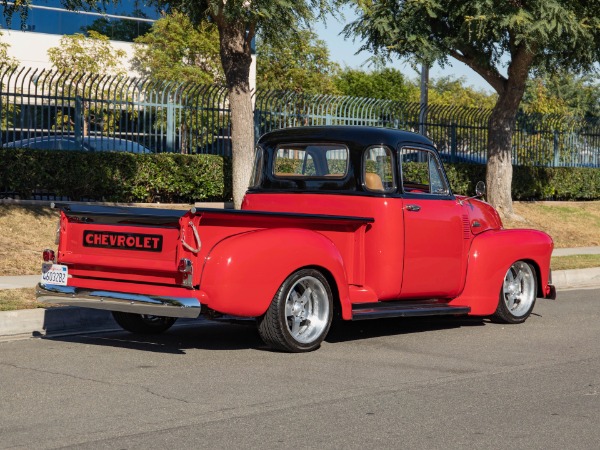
[
  {"x": 143, "y": 324},
  {"x": 517, "y": 294},
  {"x": 300, "y": 314}
]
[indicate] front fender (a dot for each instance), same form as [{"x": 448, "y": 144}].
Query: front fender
[
  {"x": 242, "y": 273},
  {"x": 490, "y": 256}
]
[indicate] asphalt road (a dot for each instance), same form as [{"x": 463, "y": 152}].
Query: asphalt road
[{"x": 441, "y": 383}]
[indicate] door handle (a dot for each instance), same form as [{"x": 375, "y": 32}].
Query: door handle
[{"x": 414, "y": 208}]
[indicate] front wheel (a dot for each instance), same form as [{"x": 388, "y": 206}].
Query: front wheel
[
  {"x": 143, "y": 323},
  {"x": 518, "y": 294},
  {"x": 300, "y": 314}
]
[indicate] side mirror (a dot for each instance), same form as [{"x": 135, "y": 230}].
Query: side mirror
[
  {"x": 480, "y": 189},
  {"x": 479, "y": 192}
]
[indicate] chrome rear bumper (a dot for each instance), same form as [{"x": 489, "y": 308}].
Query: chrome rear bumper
[{"x": 118, "y": 301}]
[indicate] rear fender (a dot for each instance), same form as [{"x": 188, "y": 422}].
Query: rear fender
[
  {"x": 491, "y": 255},
  {"x": 243, "y": 273}
]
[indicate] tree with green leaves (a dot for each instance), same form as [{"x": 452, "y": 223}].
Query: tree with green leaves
[
  {"x": 5, "y": 58},
  {"x": 176, "y": 50},
  {"x": 564, "y": 94},
  {"x": 570, "y": 102},
  {"x": 384, "y": 83},
  {"x": 90, "y": 54},
  {"x": 77, "y": 55},
  {"x": 8, "y": 110},
  {"x": 524, "y": 35},
  {"x": 302, "y": 65},
  {"x": 453, "y": 91}
]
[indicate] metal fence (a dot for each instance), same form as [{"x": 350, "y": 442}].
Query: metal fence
[{"x": 44, "y": 108}]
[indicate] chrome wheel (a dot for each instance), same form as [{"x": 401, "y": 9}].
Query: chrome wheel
[
  {"x": 518, "y": 294},
  {"x": 307, "y": 309},
  {"x": 519, "y": 289},
  {"x": 300, "y": 314}
]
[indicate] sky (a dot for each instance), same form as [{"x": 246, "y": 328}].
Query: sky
[{"x": 343, "y": 52}]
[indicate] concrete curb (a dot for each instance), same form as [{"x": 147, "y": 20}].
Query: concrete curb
[
  {"x": 53, "y": 321},
  {"x": 71, "y": 320},
  {"x": 576, "y": 278}
]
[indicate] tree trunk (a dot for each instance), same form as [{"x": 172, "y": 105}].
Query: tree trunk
[
  {"x": 236, "y": 59},
  {"x": 499, "y": 166}
]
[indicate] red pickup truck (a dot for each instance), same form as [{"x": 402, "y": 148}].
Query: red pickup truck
[{"x": 338, "y": 222}]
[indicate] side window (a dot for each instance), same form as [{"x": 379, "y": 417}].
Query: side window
[
  {"x": 422, "y": 172},
  {"x": 378, "y": 169},
  {"x": 257, "y": 169}
]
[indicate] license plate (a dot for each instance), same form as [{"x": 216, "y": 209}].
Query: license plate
[{"x": 55, "y": 274}]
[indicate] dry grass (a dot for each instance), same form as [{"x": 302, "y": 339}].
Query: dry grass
[
  {"x": 13, "y": 299},
  {"x": 24, "y": 232},
  {"x": 571, "y": 224}
]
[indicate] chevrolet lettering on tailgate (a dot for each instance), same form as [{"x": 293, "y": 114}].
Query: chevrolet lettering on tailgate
[{"x": 123, "y": 241}]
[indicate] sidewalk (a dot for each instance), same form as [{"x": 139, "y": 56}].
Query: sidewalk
[
  {"x": 18, "y": 282},
  {"x": 576, "y": 251}
]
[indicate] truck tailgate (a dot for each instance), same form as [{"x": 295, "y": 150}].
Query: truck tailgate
[{"x": 121, "y": 244}]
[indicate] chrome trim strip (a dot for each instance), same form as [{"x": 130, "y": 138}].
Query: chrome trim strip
[{"x": 118, "y": 301}]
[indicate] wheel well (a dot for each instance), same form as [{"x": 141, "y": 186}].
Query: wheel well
[
  {"x": 337, "y": 306},
  {"x": 538, "y": 276}
]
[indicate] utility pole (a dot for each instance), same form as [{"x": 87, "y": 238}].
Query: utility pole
[{"x": 424, "y": 99}]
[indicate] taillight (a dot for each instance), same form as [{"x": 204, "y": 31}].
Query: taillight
[
  {"x": 186, "y": 268},
  {"x": 49, "y": 255},
  {"x": 185, "y": 265}
]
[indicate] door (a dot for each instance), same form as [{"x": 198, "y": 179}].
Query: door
[{"x": 434, "y": 229}]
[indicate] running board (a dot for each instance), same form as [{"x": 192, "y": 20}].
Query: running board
[{"x": 378, "y": 310}]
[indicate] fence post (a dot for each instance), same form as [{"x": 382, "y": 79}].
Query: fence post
[
  {"x": 556, "y": 149},
  {"x": 78, "y": 121},
  {"x": 453, "y": 143},
  {"x": 256, "y": 124},
  {"x": 170, "y": 127}
]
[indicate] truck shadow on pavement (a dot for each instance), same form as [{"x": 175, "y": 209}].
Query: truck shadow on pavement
[
  {"x": 367, "y": 329},
  {"x": 243, "y": 335}
]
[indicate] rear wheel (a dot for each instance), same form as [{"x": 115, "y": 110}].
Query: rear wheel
[
  {"x": 300, "y": 314},
  {"x": 143, "y": 323},
  {"x": 518, "y": 294}
]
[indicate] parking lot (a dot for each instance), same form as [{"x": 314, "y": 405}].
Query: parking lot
[{"x": 427, "y": 383}]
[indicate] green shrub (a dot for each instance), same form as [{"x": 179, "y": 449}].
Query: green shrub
[
  {"x": 532, "y": 183},
  {"x": 167, "y": 177},
  {"x": 118, "y": 177},
  {"x": 559, "y": 183}
]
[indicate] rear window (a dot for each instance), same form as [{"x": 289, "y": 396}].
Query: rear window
[{"x": 311, "y": 161}]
